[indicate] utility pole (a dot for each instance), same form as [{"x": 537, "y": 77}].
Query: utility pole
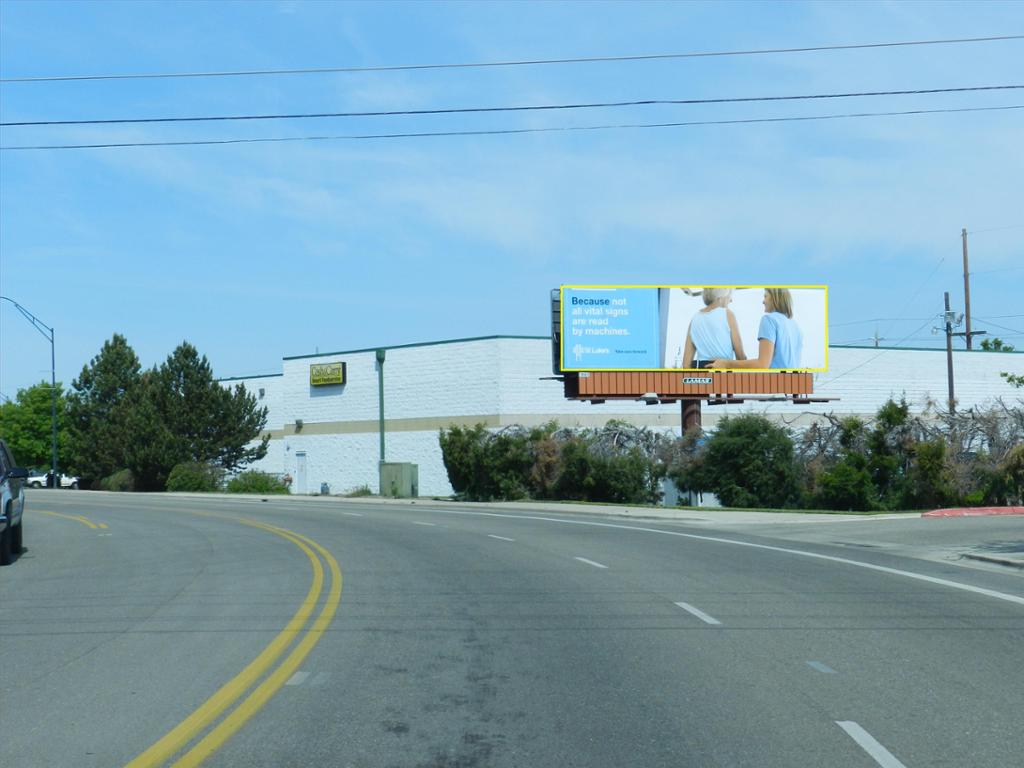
[
  {"x": 381, "y": 355},
  {"x": 967, "y": 290},
  {"x": 948, "y": 317}
]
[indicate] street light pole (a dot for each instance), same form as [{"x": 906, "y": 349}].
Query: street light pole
[{"x": 47, "y": 332}]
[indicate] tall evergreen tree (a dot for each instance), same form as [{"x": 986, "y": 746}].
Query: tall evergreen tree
[
  {"x": 208, "y": 423},
  {"x": 97, "y": 410}
]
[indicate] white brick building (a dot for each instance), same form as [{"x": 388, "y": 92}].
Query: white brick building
[{"x": 503, "y": 380}]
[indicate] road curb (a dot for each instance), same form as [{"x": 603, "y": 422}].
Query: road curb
[
  {"x": 1009, "y": 562},
  {"x": 973, "y": 511}
]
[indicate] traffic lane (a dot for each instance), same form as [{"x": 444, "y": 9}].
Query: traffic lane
[
  {"x": 451, "y": 648},
  {"x": 900, "y": 644},
  {"x": 899, "y": 673},
  {"x": 510, "y": 524},
  {"x": 919, "y": 537},
  {"x": 397, "y": 521},
  {"x": 115, "y": 650}
]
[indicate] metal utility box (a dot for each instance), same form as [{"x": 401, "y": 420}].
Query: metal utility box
[{"x": 399, "y": 479}]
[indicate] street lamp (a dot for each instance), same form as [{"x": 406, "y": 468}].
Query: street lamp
[{"x": 47, "y": 332}]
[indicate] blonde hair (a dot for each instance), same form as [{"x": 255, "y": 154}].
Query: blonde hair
[
  {"x": 781, "y": 300},
  {"x": 711, "y": 295}
]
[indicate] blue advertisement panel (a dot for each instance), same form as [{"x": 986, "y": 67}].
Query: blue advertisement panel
[
  {"x": 688, "y": 327},
  {"x": 610, "y": 328}
]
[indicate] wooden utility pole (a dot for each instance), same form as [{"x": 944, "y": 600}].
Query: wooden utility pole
[
  {"x": 967, "y": 291},
  {"x": 948, "y": 317}
]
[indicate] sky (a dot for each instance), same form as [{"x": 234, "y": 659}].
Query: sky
[{"x": 257, "y": 251}]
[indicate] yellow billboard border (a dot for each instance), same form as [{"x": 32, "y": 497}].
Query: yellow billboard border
[{"x": 561, "y": 327}]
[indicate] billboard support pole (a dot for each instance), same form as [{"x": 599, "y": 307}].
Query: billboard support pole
[{"x": 690, "y": 414}]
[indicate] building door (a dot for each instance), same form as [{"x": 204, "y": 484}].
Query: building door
[{"x": 300, "y": 472}]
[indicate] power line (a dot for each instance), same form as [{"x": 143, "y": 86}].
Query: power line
[
  {"x": 521, "y": 108},
  {"x": 513, "y": 63},
  {"x": 997, "y": 325},
  {"x": 925, "y": 282},
  {"x": 505, "y": 131},
  {"x": 875, "y": 357},
  {"x": 876, "y": 320},
  {"x": 990, "y": 271},
  {"x": 993, "y": 229}
]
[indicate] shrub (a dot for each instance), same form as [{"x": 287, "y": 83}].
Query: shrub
[
  {"x": 928, "y": 481},
  {"x": 1012, "y": 471},
  {"x": 847, "y": 485},
  {"x": 615, "y": 464},
  {"x": 194, "y": 476},
  {"x": 256, "y": 482},
  {"x": 122, "y": 481},
  {"x": 359, "y": 490},
  {"x": 747, "y": 462},
  {"x": 628, "y": 478}
]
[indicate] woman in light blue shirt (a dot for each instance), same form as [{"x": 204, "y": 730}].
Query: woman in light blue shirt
[
  {"x": 780, "y": 340},
  {"x": 713, "y": 332}
]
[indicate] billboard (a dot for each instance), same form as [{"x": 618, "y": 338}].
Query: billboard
[{"x": 687, "y": 328}]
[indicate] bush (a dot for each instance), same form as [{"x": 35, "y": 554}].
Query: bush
[
  {"x": 256, "y": 482},
  {"x": 615, "y": 464},
  {"x": 483, "y": 466},
  {"x": 628, "y": 478},
  {"x": 194, "y": 476},
  {"x": 122, "y": 481},
  {"x": 929, "y": 482},
  {"x": 847, "y": 485},
  {"x": 358, "y": 491},
  {"x": 747, "y": 462}
]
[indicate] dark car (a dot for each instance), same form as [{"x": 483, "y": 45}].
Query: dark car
[{"x": 12, "y": 504}]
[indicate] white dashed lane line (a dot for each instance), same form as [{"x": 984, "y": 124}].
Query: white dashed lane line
[
  {"x": 698, "y": 613},
  {"x": 590, "y": 562},
  {"x": 298, "y": 678},
  {"x": 821, "y": 667},
  {"x": 867, "y": 742},
  {"x": 417, "y": 522},
  {"x": 352, "y": 514},
  {"x": 499, "y": 538}
]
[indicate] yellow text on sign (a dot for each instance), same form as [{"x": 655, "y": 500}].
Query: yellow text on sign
[{"x": 322, "y": 374}]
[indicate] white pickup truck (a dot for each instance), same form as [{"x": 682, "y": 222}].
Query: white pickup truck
[{"x": 37, "y": 479}]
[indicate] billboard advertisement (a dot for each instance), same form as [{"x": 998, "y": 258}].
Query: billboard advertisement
[{"x": 685, "y": 328}]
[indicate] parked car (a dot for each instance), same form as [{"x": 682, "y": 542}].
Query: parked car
[
  {"x": 38, "y": 478},
  {"x": 12, "y": 504}
]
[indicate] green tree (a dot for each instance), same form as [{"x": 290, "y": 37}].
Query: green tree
[
  {"x": 996, "y": 345},
  {"x": 26, "y": 423},
  {"x": 148, "y": 422},
  {"x": 1015, "y": 381},
  {"x": 205, "y": 422},
  {"x": 97, "y": 410},
  {"x": 747, "y": 462}
]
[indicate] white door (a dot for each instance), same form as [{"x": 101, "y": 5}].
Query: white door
[{"x": 300, "y": 472}]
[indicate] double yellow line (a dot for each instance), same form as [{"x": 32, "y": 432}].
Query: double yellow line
[
  {"x": 231, "y": 692},
  {"x": 77, "y": 518}
]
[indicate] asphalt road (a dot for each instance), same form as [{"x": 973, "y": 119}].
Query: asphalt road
[{"x": 149, "y": 630}]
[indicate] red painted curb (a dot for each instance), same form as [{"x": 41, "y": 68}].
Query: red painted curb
[{"x": 973, "y": 511}]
